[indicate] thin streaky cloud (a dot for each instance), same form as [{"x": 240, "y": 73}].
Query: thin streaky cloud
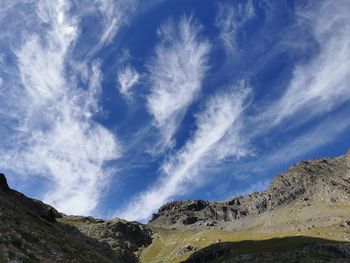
[
  {"x": 321, "y": 84},
  {"x": 217, "y": 132},
  {"x": 176, "y": 74}
]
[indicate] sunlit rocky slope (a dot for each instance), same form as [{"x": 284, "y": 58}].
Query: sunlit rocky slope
[
  {"x": 304, "y": 216},
  {"x": 311, "y": 199}
]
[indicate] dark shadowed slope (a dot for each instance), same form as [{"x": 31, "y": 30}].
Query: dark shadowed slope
[
  {"x": 31, "y": 231},
  {"x": 288, "y": 249}
]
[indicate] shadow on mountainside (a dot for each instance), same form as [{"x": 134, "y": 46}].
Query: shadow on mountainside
[
  {"x": 30, "y": 231},
  {"x": 287, "y": 249}
]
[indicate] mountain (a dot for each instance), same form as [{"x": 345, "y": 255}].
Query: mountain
[
  {"x": 307, "y": 183},
  {"x": 304, "y": 216},
  {"x": 302, "y": 211}
]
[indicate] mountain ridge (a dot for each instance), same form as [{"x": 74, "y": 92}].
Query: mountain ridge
[{"x": 325, "y": 179}]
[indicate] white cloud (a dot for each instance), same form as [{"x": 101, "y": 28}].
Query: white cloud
[
  {"x": 127, "y": 79},
  {"x": 53, "y": 134},
  {"x": 176, "y": 74},
  {"x": 323, "y": 83},
  {"x": 216, "y": 138},
  {"x": 229, "y": 19}
]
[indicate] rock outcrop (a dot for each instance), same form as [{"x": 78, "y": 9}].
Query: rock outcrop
[
  {"x": 125, "y": 238},
  {"x": 3, "y": 183}
]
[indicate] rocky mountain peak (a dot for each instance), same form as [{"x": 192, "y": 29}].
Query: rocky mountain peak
[
  {"x": 3, "y": 183},
  {"x": 347, "y": 158}
]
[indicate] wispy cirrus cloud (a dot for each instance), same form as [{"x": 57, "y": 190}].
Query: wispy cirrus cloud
[
  {"x": 127, "y": 78},
  {"x": 50, "y": 131},
  {"x": 230, "y": 19},
  {"x": 216, "y": 138},
  {"x": 322, "y": 83},
  {"x": 176, "y": 73}
]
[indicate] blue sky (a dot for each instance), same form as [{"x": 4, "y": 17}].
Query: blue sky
[{"x": 115, "y": 107}]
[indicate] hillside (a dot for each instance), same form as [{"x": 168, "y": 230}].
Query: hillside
[{"x": 304, "y": 216}]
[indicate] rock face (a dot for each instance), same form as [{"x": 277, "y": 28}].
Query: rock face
[
  {"x": 31, "y": 231},
  {"x": 125, "y": 238},
  {"x": 324, "y": 179}
]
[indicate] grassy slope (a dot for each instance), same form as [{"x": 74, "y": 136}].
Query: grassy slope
[{"x": 320, "y": 220}]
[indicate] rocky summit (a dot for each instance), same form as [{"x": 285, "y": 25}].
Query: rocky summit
[
  {"x": 304, "y": 216},
  {"x": 325, "y": 180}
]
